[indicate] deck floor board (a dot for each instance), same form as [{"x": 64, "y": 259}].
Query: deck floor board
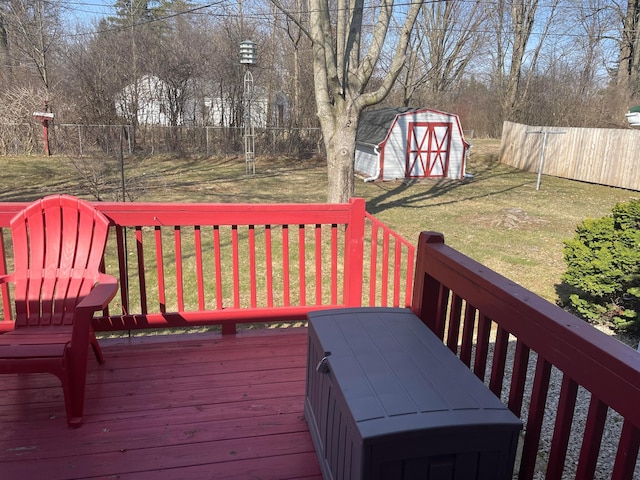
[{"x": 191, "y": 406}]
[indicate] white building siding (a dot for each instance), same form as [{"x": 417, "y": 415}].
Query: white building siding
[
  {"x": 394, "y": 150},
  {"x": 367, "y": 161},
  {"x": 436, "y": 143}
]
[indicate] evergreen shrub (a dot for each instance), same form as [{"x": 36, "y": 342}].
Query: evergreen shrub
[{"x": 603, "y": 267}]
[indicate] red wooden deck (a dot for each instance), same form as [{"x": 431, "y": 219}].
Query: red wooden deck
[
  {"x": 168, "y": 407},
  {"x": 213, "y": 407}
]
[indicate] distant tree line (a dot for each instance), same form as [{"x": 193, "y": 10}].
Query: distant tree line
[{"x": 538, "y": 62}]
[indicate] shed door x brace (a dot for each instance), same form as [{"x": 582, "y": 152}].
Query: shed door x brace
[{"x": 428, "y": 149}]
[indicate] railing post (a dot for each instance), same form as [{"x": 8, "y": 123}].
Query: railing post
[
  {"x": 426, "y": 289},
  {"x": 354, "y": 254}
]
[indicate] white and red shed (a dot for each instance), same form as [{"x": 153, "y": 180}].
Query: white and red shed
[{"x": 395, "y": 143}]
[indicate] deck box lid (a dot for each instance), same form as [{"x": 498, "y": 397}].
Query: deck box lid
[{"x": 396, "y": 375}]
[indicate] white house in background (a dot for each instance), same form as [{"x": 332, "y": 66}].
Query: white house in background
[
  {"x": 153, "y": 108},
  {"x": 395, "y": 143},
  {"x": 220, "y": 111}
]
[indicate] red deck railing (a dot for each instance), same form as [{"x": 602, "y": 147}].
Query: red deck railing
[
  {"x": 203, "y": 264},
  {"x": 517, "y": 343}
]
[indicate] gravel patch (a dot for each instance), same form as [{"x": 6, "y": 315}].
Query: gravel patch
[{"x": 611, "y": 436}]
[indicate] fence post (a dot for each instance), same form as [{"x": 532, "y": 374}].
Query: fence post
[
  {"x": 426, "y": 289},
  {"x": 80, "y": 138},
  {"x": 544, "y": 145},
  {"x": 354, "y": 254}
]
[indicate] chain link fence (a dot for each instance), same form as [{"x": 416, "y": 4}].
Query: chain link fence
[{"x": 81, "y": 140}]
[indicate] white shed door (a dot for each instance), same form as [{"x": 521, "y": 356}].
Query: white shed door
[{"x": 428, "y": 149}]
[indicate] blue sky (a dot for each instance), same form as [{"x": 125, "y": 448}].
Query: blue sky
[
  {"x": 84, "y": 11},
  {"x": 88, "y": 11}
]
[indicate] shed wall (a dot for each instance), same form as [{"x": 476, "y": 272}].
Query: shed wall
[
  {"x": 390, "y": 162},
  {"x": 367, "y": 161},
  {"x": 396, "y": 146}
]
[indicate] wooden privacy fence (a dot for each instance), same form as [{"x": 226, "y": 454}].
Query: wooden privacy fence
[
  {"x": 192, "y": 264},
  {"x": 603, "y": 156}
]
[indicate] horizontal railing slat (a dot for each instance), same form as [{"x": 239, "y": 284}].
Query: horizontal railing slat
[
  {"x": 186, "y": 214},
  {"x": 225, "y": 214},
  {"x": 205, "y": 318}
]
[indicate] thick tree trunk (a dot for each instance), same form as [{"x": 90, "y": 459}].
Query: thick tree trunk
[
  {"x": 342, "y": 72},
  {"x": 340, "y": 146},
  {"x": 522, "y": 15}
]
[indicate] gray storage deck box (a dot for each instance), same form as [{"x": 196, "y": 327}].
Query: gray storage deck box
[{"x": 387, "y": 400}]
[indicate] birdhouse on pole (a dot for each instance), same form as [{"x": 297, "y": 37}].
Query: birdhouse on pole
[
  {"x": 45, "y": 118},
  {"x": 248, "y": 57},
  {"x": 248, "y": 54}
]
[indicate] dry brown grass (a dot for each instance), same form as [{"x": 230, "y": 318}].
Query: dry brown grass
[{"x": 497, "y": 217}]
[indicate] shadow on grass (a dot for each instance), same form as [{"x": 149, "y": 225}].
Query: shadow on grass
[
  {"x": 225, "y": 169},
  {"x": 399, "y": 196},
  {"x": 30, "y": 193},
  {"x": 270, "y": 184}
]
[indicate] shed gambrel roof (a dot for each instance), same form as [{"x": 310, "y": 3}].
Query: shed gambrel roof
[{"x": 374, "y": 125}]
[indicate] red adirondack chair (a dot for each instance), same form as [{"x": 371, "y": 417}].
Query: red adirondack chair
[{"x": 58, "y": 245}]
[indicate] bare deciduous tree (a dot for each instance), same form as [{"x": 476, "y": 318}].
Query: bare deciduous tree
[
  {"x": 94, "y": 77},
  {"x": 297, "y": 41},
  {"x": 448, "y": 35},
  {"x": 514, "y": 22},
  {"x": 32, "y": 30},
  {"x": 346, "y": 59},
  {"x": 629, "y": 62},
  {"x": 594, "y": 20},
  {"x": 17, "y": 103}
]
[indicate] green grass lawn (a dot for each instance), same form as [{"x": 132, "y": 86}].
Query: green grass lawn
[{"x": 496, "y": 217}]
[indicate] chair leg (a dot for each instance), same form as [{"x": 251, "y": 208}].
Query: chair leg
[
  {"x": 74, "y": 378},
  {"x": 95, "y": 346},
  {"x": 74, "y": 382},
  {"x": 73, "y": 401}
]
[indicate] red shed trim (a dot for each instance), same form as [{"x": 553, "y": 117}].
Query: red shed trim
[{"x": 432, "y": 159}]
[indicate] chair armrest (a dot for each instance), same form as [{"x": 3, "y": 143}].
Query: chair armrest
[
  {"x": 98, "y": 298},
  {"x": 101, "y": 294}
]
